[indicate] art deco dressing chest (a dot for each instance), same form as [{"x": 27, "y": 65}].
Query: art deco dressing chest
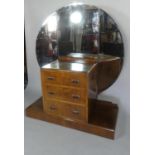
[{"x": 77, "y": 64}]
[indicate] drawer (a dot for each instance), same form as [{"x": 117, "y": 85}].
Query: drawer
[
  {"x": 75, "y": 79},
  {"x": 52, "y": 107},
  {"x": 74, "y": 112},
  {"x": 51, "y": 77},
  {"x": 52, "y": 92},
  {"x": 74, "y": 95}
]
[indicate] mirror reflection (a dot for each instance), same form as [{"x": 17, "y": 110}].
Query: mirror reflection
[{"x": 78, "y": 29}]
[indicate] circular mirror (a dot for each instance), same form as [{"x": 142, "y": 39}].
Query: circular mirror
[{"x": 78, "y": 28}]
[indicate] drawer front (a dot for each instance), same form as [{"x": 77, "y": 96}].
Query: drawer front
[
  {"x": 52, "y": 107},
  {"x": 74, "y": 79},
  {"x": 74, "y": 95},
  {"x": 52, "y": 92},
  {"x": 51, "y": 77},
  {"x": 74, "y": 112}
]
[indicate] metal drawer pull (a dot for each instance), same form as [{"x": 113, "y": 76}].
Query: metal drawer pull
[
  {"x": 75, "y": 81},
  {"x": 53, "y": 108},
  {"x": 51, "y": 78},
  {"x": 76, "y": 112},
  {"x": 75, "y": 96},
  {"x": 51, "y": 93}
]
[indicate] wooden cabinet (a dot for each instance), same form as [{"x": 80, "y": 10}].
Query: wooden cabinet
[{"x": 70, "y": 87}]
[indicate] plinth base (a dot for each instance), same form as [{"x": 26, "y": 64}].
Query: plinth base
[{"x": 102, "y": 120}]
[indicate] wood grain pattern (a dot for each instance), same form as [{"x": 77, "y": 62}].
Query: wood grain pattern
[
  {"x": 52, "y": 107},
  {"x": 72, "y": 88},
  {"x": 101, "y": 126},
  {"x": 51, "y": 77},
  {"x": 107, "y": 73},
  {"x": 74, "y": 112},
  {"x": 74, "y": 79},
  {"x": 70, "y": 91},
  {"x": 74, "y": 95}
]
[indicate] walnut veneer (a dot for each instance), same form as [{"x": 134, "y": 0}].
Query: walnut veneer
[{"x": 70, "y": 86}]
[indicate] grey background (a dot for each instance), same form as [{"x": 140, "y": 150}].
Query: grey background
[{"x": 45, "y": 138}]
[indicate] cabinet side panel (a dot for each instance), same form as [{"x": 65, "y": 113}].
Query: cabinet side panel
[
  {"x": 92, "y": 89},
  {"x": 42, "y": 87},
  {"x": 107, "y": 73}
]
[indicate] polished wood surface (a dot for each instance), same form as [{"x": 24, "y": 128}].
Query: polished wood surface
[
  {"x": 87, "y": 58},
  {"x": 74, "y": 112},
  {"x": 69, "y": 94},
  {"x": 102, "y": 121},
  {"x": 51, "y": 77},
  {"x": 107, "y": 67},
  {"x": 70, "y": 91},
  {"x": 107, "y": 73},
  {"x": 74, "y": 95},
  {"x": 53, "y": 107},
  {"x": 64, "y": 77},
  {"x": 75, "y": 79},
  {"x": 103, "y": 113},
  {"x": 60, "y": 65}
]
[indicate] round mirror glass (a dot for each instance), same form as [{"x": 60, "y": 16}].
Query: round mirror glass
[{"x": 78, "y": 28}]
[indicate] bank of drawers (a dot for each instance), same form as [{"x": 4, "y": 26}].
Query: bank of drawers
[{"x": 65, "y": 93}]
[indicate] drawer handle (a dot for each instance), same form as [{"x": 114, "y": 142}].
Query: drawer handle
[
  {"x": 51, "y": 93},
  {"x": 75, "y": 81},
  {"x": 53, "y": 108},
  {"x": 75, "y": 96},
  {"x": 77, "y": 112},
  {"x": 51, "y": 78}
]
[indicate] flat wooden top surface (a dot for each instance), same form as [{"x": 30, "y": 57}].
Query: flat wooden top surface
[
  {"x": 79, "y": 63},
  {"x": 79, "y": 67},
  {"x": 103, "y": 57}
]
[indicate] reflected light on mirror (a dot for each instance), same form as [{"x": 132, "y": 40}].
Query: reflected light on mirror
[
  {"x": 51, "y": 23},
  {"x": 75, "y": 3},
  {"x": 77, "y": 66},
  {"x": 76, "y": 17}
]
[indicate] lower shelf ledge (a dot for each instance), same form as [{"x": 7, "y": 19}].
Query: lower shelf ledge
[{"x": 102, "y": 120}]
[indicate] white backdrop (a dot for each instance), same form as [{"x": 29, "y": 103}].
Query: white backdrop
[{"x": 36, "y": 12}]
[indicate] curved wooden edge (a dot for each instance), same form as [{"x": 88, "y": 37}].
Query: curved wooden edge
[{"x": 107, "y": 67}]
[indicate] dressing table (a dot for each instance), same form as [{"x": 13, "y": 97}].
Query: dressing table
[{"x": 75, "y": 68}]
